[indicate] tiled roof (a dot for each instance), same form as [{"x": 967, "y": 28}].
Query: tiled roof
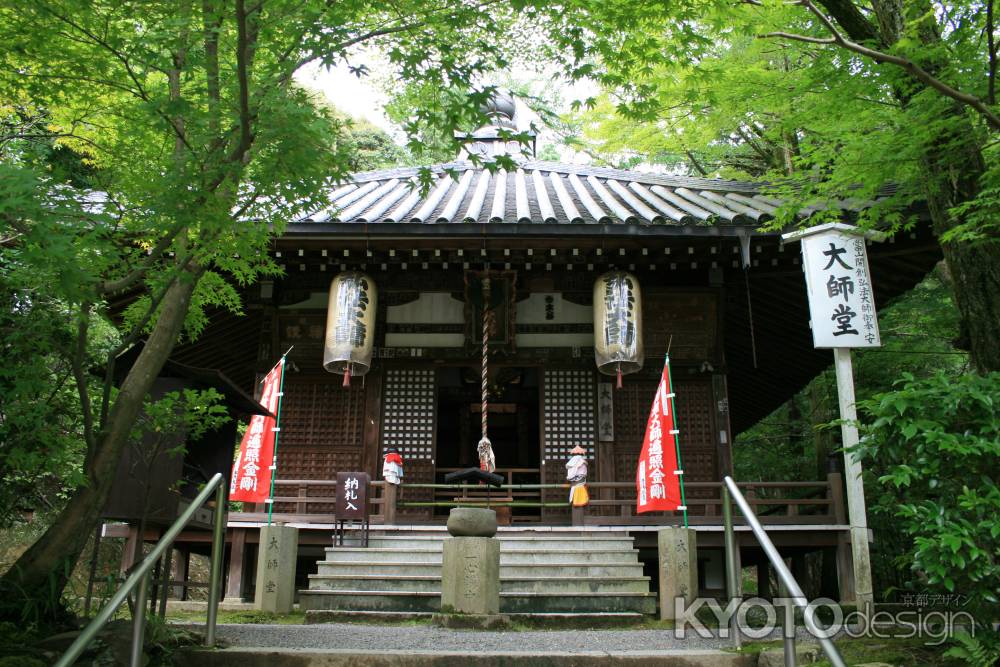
[{"x": 545, "y": 193}]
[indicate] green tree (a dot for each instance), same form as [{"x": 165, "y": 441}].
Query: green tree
[
  {"x": 201, "y": 149},
  {"x": 833, "y": 99}
]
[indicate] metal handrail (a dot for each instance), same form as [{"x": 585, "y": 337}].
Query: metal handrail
[
  {"x": 784, "y": 576},
  {"x": 140, "y": 578}
]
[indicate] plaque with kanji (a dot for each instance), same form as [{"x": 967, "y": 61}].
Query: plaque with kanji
[
  {"x": 352, "y": 495},
  {"x": 841, "y": 301}
]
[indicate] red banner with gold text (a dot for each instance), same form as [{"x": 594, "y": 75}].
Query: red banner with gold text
[
  {"x": 657, "y": 476},
  {"x": 251, "y": 480}
]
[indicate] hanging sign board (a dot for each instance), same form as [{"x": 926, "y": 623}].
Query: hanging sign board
[
  {"x": 841, "y": 301},
  {"x": 352, "y": 495}
]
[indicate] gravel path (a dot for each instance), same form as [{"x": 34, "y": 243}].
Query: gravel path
[{"x": 349, "y": 636}]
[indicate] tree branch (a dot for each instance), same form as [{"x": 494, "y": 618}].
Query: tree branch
[
  {"x": 137, "y": 274},
  {"x": 80, "y": 374},
  {"x": 243, "y": 76},
  {"x": 915, "y": 70},
  {"x": 140, "y": 90},
  {"x": 991, "y": 46}
]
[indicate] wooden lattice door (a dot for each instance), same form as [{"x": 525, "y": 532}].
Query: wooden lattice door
[
  {"x": 408, "y": 424},
  {"x": 569, "y": 418}
]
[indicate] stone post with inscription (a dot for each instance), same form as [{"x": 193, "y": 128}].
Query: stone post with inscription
[
  {"x": 678, "y": 568},
  {"x": 470, "y": 567},
  {"x": 276, "y": 568}
]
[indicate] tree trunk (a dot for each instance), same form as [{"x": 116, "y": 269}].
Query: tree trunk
[
  {"x": 953, "y": 167},
  {"x": 33, "y": 586}
]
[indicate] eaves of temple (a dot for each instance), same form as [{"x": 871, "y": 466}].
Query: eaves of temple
[{"x": 559, "y": 226}]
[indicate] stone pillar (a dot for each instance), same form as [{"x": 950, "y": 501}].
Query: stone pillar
[
  {"x": 470, "y": 565},
  {"x": 678, "y": 568},
  {"x": 276, "y": 568},
  {"x": 470, "y": 576}
]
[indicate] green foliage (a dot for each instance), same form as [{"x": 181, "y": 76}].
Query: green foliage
[
  {"x": 936, "y": 443},
  {"x": 151, "y": 151},
  {"x": 978, "y": 650}
]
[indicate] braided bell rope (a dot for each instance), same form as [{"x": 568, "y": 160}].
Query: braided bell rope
[{"x": 485, "y": 449}]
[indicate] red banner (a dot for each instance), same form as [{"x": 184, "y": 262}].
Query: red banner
[
  {"x": 657, "y": 477},
  {"x": 251, "y": 480}
]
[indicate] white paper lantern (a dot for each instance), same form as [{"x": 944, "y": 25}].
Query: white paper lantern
[
  {"x": 350, "y": 325},
  {"x": 618, "y": 346}
]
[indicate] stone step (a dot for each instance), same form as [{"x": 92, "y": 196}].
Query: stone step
[
  {"x": 536, "y": 603},
  {"x": 245, "y": 656},
  {"x": 617, "y": 556},
  {"x": 355, "y": 600},
  {"x": 510, "y": 602},
  {"x": 506, "y": 543},
  {"x": 507, "y": 570},
  {"x": 426, "y": 583}
]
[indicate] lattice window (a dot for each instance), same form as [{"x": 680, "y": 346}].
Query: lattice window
[
  {"x": 694, "y": 421},
  {"x": 408, "y": 419},
  {"x": 569, "y": 413},
  {"x": 322, "y": 431}
]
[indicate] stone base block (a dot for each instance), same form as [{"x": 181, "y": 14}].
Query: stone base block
[
  {"x": 470, "y": 576},
  {"x": 678, "y": 565},
  {"x": 276, "y": 569}
]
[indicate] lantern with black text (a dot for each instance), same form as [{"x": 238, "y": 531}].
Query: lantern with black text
[
  {"x": 350, "y": 325},
  {"x": 617, "y": 324}
]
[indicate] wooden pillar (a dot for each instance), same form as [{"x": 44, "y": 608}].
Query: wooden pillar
[
  {"x": 128, "y": 553},
  {"x": 764, "y": 579},
  {"x": 801, "y": 573},
  {"x": 845, "y": 567},
  {"x": 724, "y": 439},
  {"x": 237, "y": 548},
  {"x": 179, "y": 572},
  {"x": 389, "y": 506}
]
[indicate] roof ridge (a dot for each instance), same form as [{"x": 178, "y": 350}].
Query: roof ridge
[{"x": 565, "y": 168}]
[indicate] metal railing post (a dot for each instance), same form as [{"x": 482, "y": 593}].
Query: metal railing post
[
  {"x": 785, "y": 576},
  {"x": 732, "y": 576},
  {"x": 139, "y": 622},
  {"x": 138, "y": 578},
  {"x": 787, "y": 626},
  {"x": 215, "y": 577}
]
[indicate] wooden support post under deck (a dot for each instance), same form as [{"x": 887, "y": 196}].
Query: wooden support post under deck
[
  {"x": 128, "y": 553},
  {"x": 845, "y": 567},
  {"x": 389, "y": 504},
  {"x": 763, "y": 579},
  {"x": 237, "y": 549},
  {"x": 179, "y": 572}
]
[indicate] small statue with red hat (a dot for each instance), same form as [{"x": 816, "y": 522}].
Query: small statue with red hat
[
  {"x": 576, "y": 475},
  {"x": 392, "y": 466}
]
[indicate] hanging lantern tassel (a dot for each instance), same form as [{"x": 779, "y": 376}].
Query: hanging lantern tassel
[
  {"x": 618, "y": 385},
  {"x": 347, "y": 376}
]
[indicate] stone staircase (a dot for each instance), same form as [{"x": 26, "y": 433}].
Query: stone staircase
[{"x": 540, "y": 573}]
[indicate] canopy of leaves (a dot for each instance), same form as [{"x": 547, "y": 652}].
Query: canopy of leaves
[{"x": 823, "y": 122}]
